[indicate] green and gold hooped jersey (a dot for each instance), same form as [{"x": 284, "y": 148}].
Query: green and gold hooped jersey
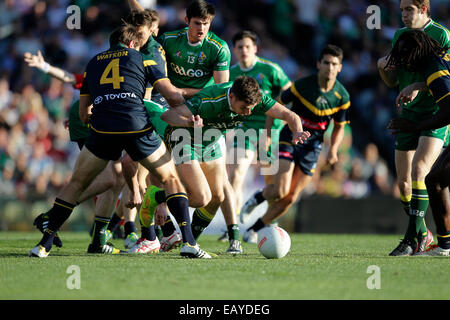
[
  {"x": 192, "y": 65},
  {"x": 315, "y": 107},
  {"x": 271, "y": 79},
  {"x": 424, "y": 103}
]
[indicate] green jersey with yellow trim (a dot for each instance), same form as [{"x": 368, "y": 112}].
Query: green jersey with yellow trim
[
  {"x": 192, "y": 65},
  {"x": 315, "y": 107},
  {"x": 437, "y": 75},
  {"x": 154, "y": 55},
  {"x": 424, "y": 103},
  {"x": 271, "y": 79}
]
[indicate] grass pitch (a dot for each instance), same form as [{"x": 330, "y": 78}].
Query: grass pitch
[{"x": 317, "y": 267}]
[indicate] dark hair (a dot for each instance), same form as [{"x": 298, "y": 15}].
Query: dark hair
[
  {"x": 245, "y": 34},
  {"x": 200, "y": 9},
  {"x": 153, "y": 14},
  {"x": 246, "y": 89},
  {"x": 140, "y": 18},
  {"x": 125, "y": 34},
  {"x": 333, "y": 50},
  {"x": 412, "y": 49}
]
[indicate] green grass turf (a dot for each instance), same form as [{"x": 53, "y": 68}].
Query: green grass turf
[{"x": 317, "y": 267}]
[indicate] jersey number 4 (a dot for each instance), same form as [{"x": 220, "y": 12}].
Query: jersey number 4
[{"x": 115, "y": 78}]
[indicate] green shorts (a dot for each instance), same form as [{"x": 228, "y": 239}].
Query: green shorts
[
  {"x": 184, "y": 149},
  {"x": 155, "y": 111},
  {"x": 409, "y": 141}
]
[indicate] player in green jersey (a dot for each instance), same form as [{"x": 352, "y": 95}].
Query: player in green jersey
[
  {"x": 318, "y": 99},
  {"x": 272, "y": 80},
  {"x": 415, "y": 152},
  {"x": 221, "y": 107},
  {"x": 416, "y": 50},
  {"x": 196, "y": 58}
]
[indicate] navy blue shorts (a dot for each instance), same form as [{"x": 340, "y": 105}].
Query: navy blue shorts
[
  {"x": 303, "y": 155},
  {"x": 110, "y": 146}
]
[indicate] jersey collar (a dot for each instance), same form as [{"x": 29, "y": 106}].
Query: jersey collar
[{"x": 249, "y": 68}]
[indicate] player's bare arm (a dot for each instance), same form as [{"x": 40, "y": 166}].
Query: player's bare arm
[
  {"x": 221, "y": 76},
  {"x": 439, "y": 119},
  {"x": 37, "y": 61},
  {"x": 336, "y": 139},
  {"x": 388, "y": 75},
  {"x": 134, "y": 5},
  {"x": 85, "y": 108},
  {"x": 172, "y": 94},
  {"x": 409, "y": 93},
  {"x": 189, "y": 92},
  {"x": 294, "y": 122},
  {"x": 182, "y": 117}
]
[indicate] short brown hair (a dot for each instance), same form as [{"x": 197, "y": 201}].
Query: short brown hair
[
  {"x": 153, "y": 14},
  {"x": 125, "y": 34},
  {"x": 140, "y": 18},
  {"x": 422, "y": 3},
  {"x": 246, "y": 89}
]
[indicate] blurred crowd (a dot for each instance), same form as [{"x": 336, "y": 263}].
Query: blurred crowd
[{"x": 36, "y": 155}]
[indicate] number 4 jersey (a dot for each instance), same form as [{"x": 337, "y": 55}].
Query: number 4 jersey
[{"x": 116, "y": 80}]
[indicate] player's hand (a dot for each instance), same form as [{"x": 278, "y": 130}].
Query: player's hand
[
  {"x": 397, "y": 125},
  {"x": 197, "y": 121},
  {"x": 300, "y": 137},
  {"x": 407, "y": 95},
  {"x": 332, "y": 158},
  {"x": 382, "y": 63},
  {"x": 135, "y": 200},
  {"x": 34, "y": 61},
  {"x": 161, "y": 214}
]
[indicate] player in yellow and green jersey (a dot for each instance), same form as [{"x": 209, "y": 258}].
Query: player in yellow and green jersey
[
  {"x": 415, "y": 152},
  {"x": 318, "y": 100},
  {"x": 272, "y": 80}
]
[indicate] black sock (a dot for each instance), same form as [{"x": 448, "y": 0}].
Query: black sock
[
  {"x": 148, "y": 233},
  {"x": 60, "y": 213},
  {"x": 233, "y": 232},
  {"x": 444, "y": 240},
  {"x": 168, "y": 228},
  {"x": 129, "y": 227},
  {"x": 178, "y": 205},
  {"x": 259, "y": 197},
  {"x": 115, "y": 219},
  {"x": 258, "y": 225},
  {"x": 98, "y": 238}
]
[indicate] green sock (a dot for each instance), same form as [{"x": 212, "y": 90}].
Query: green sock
[
  {"x": 200, "y": 220},
  {"x": 233, "y": 232},
  {"x": 419, "y": 206},
  {"x": 99, "y": 233}
]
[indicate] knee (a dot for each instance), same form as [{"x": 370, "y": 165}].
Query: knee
[
  {"x": 199, "y": 199},
  {"x": 217, "y": 198},
  {"x": 404, "y": 186}
]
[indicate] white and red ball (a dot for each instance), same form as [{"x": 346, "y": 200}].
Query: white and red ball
[{"x": 273, "y": 242}]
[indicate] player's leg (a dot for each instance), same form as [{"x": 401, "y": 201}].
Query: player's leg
[
  {"x": 87, "y": 167},
  {"x": 105, "y": 205},
  {"x": 403, "y": 167},
  {"x": 427, "y": 152},
  {"x": 279, "y": 189},
  {"x": 215, "y": 173},
  {"x": 437, "y": 182}
]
